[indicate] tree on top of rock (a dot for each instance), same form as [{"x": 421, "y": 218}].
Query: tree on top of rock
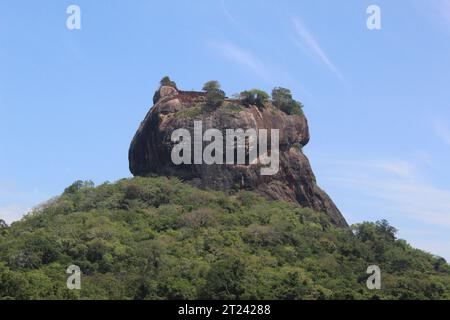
[
  {"x": 165, "y": 81},
  {"x": 214, "y": 95},
  {"x": 211, "y": 85},
  {"x": 281, "y": 95},
  {"x": 282, "y": 99}
]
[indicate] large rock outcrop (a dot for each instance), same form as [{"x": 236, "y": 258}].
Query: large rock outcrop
[{"x": 150, "y": 150}]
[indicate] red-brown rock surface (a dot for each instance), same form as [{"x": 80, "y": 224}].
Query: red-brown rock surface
[{"x": 150, "y": 150}]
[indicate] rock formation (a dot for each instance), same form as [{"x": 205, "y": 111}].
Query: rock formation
[{"x": 150, "y": 150}]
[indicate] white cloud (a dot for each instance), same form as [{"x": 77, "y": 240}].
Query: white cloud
[
  {"x": 307, "y": 41},
  {"x": 245, "y": 59},
  {"x": 437, "y": 11},
  {"x": 273, "y": 75},
  {"x": 399, "y": 168},
  {"x": 237, "y": 25},
  {"x": 444, "y": 9},
  {"x": 441, "y": 249},
  {"x": 396, "y": 167},
  {"x": 15, "y": 202},
  {"x": 398, "y": 189},
  {"x": 410, "y": 198},
  {"x": 442, "y": 131},
  {"x": 399, "y": 184},
  {"x": 227, "y": 13},
  {"x": 13, "y": 213}
]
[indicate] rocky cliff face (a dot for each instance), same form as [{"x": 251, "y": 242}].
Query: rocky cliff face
[{"x": 150, "y": 150}]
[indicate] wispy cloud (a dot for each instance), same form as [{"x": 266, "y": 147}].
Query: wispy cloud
[
  {"x": 238, "y": 25},
  {"x": 399, "y": 168},
  {"x": 442, "y": 131},
  {"x": 233, "y": 20},
  {"x": 402, "y": 188},
  {"x": 306, "y": 40},
  {"x": 444, "y": 9},
  {"x": 15, "y": 201},
  {"x": 244, "y": 58},
  {"x": 13, "y": 213},
  {"x": 410, "y": 198},
  {"x": 438, "y": 11},
  {"x": 395, "y": 190},
  {"x": 272, "y": 74},
  {"x": 227, "y": 13}
]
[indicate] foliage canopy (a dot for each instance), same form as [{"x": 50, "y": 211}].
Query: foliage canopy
[{"x": 159, "y": 238}]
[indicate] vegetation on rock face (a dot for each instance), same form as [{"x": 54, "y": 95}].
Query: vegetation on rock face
[
  {"x": 195, "y": 111},
  {"x": 215, "y": 97},
  {"x": 233, "y": 107},
  {"x": 158, "y": 238},
  {"x": 254, "y": 97}
]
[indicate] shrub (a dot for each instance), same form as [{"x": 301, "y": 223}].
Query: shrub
[
  {"x": 254, "y": 97},
  {"x": 214, "y": 99},
  {"x": 199, "y": 218}
]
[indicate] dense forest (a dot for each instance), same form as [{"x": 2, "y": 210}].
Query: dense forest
[{"x": 159, "y": 238}]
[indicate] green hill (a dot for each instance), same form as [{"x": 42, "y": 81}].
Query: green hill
[{"x": 158, "y": 238}]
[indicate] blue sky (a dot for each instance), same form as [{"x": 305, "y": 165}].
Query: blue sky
[{"x": 378, "y": 102}]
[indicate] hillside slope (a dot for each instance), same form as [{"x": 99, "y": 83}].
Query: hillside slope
[{"x": 158, "y": 238}]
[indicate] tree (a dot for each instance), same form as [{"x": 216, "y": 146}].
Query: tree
[
  {"x": 3, "y": 227},
  {"x": 78, "y": 185},
  {"x": 165, "y": 81},
  {"x": 159, "y": 238},
  {"x": 261, "y": 98},
  {"x": 292, "y": 108},
  {"x": 440, "y": 264},
  {"x": 214, "y": 95},
  {"x": 280, "y": 96},
  {"x": 13, "y": 285},
  {"x": 214, "y": 99},
  {"x": 202, "y": 217},
  {"x": 282, "y": 99},
  {"x": 211, "y": 86},
  {"x": 386, "y": 229},
  {"x": 225, "y": 279}
]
